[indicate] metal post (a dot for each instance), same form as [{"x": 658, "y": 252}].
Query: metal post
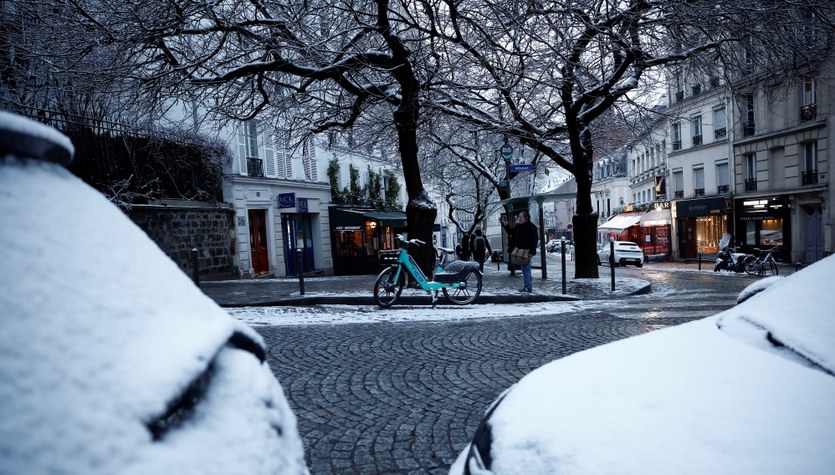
[
  {"x": 700, "y": 261},
  {"x": 563, "y": 264},
  {"x": 300, "y": 270},
  {"x": 542, "y": 258},
  {"x": 612, "y": 261},
  {"x": 195, "y": 267}
]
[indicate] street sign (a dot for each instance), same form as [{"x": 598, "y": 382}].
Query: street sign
[
  {"x": 507, "y": 151},
  {"x": 522, "y": 167}
]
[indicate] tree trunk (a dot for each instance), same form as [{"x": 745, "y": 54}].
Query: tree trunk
[
  {"x": 420, "y": 210},
  {"x": 585, "y": 219}
]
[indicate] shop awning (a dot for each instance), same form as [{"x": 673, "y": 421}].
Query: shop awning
[
  {"x": 393, "y": 219},
  {"x": 657, "y": 217},
  {"x": 620, "y": 222}
]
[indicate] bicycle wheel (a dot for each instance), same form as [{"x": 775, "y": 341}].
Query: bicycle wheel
[
  {"x": 468, "y": 292},
  {"x": 386, "y": 290},
  {"x": 772, "y": 267},
  {"x": 752, "y": 265}
]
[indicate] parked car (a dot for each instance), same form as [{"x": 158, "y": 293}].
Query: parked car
[
  {"x": 111, "y": 359},
  {"x": 626, "y": 252},
  {"x": 747, "y": 391}
]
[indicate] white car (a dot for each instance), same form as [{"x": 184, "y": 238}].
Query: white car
[
  {"x": 111, "y": 360},
  {"x": 626, "y": 252},
  {"x": 748, "y": 391}
]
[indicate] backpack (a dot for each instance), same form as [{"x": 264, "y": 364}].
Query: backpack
[{"x": 478, "y": 246}]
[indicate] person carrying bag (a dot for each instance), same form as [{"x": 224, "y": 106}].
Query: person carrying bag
[{"x": 526, "y": 238}]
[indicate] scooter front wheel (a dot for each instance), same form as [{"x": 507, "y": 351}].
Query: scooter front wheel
[
  {"x": 386, "y": 289},
  {"x": 468, "y": 292}
]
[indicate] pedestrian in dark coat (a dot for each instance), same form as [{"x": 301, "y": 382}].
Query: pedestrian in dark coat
[
  {"x": 526, "y": 236},
  {"x": 510, "y": 241}
]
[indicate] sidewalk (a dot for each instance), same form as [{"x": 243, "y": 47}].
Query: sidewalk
[{"x": 497, "y": 287}]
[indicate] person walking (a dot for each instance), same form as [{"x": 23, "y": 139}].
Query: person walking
[
  {"x": 480, "y": 247},
  {"x": 526, "y": 237}
]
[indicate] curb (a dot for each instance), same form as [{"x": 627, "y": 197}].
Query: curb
[{"x": 426, "y": 300}]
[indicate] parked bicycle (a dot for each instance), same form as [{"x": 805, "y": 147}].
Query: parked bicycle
[
  {"x": 761, "y": 265},
  {"x": 460, "y": 281}
]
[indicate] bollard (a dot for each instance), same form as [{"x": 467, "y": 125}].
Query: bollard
[
  {"x": 195, "y": 267},
  {"x": 612, "y": 261},
  {"x": 563, "y": 266},
  {"x": 700, "y": 261},
  {"x": 300, "y": 270}
]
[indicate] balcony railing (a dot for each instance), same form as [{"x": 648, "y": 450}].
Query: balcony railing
[
  {"x": 254, "y": 167},
  {"x": 700, "y": 191},
  {"x": 697, "y": 140},
  {"x": 676, "y": 144},
  {"x": 720, "y": 133},
  {"x": 748, "y": 129},
  {"x": 808, "y": 112},
  {"x": 723, "y": 189},
  {"x": 679, "y": 194},
  {"x": 810, "y": 177},
  {"x": 751, "y": 184}
]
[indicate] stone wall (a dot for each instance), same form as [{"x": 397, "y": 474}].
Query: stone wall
[{"x": 179, "y": 229}]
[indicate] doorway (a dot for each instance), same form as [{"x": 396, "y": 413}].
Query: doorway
[
  {"x": 296, "y": 230},
  {"x": 813, "y": 231},
  {"x": 258, "y": 241}
]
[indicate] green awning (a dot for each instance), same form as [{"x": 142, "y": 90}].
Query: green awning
[
  {"x": 346, "y": 219},
  {"x": 392, "y": 219}
]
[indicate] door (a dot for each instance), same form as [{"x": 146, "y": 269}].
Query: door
[
  {"x": 297, "y": 234},
  {"x": 813, "y": 230},
  {"x": 258, "y": 241},
  {"x": 687, "y": 237}
]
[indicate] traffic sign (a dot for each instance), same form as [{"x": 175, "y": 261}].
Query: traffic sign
[
  {"x": 521, "y": 167},
  {"x": 507, "y": 151},
  {"x": 569, "y": 226}
]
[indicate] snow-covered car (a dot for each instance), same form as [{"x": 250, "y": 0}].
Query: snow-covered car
[
  {"x": 111, "y": 359},
  {"x": 626, "y": 252},
  {"x": 750, "y": 390}
]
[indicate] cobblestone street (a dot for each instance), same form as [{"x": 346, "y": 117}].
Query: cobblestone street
[{"x": 406, "y": 398}]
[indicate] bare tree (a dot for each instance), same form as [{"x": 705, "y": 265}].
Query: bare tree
[{"x": 561, "y": 66}]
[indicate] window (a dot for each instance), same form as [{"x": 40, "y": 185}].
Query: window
[
  {"x": 699, "y": 180},
  {"x": 722, "y": 178},
  {"x": 676, "y": 135},
  {"x": 751, "y": 172},
  {"x": 678, "y": 183},
  {"x": 748, "y": 125},
  {"x": 808, "y": 111},
  {"x": 252, "y": 138},
  {"x": 697, "y": 89},
  {"x": 696, "y": 129},
  {"x": 810, "y": 163},
  {"x": 720, "y": 123}
]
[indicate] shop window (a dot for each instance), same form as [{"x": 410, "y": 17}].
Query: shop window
[
  {"x": 709, "y": 231},
  {"x": 771, "y": 232}
]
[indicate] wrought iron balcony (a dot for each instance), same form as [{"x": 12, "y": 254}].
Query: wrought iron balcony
[
  {"x": 751, "y": 184},
  {"x": 748, "y": 129},
  {"x": 700, "y": 191},
  {"x": 810, "y": 177},
  {"x": 723, "y": 189},
  {"x": 679, "y": 194},
  {"x": 808, "y": 112},
  {"x": 697, "y": 140},
  {"x": 676, "y": 144},
  {"x": 720, "y": 133},
  {"x": 254, "y": 167}
]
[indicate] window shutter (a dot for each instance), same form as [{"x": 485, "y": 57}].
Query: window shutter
[
  {"x": 269, "y": 153},
  {"x": 699, "y": 178},
  {"x": 242, "y": 148}
]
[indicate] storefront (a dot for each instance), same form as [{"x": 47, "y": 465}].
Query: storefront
[
  {"x": 655, "y": 232},
  {"x": 358, "y": 235},
  {"x": 621, "y": 227},
  {"x": 700, "y": 225},
  {"x": 763, "y": 223}
]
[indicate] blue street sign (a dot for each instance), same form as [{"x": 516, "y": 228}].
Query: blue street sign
[{"x": 522, "y": 167}]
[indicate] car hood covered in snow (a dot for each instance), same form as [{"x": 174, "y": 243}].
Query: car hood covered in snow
[
  {"x": 750, "y": 390},
  {"x": 111, "y": 360}
]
